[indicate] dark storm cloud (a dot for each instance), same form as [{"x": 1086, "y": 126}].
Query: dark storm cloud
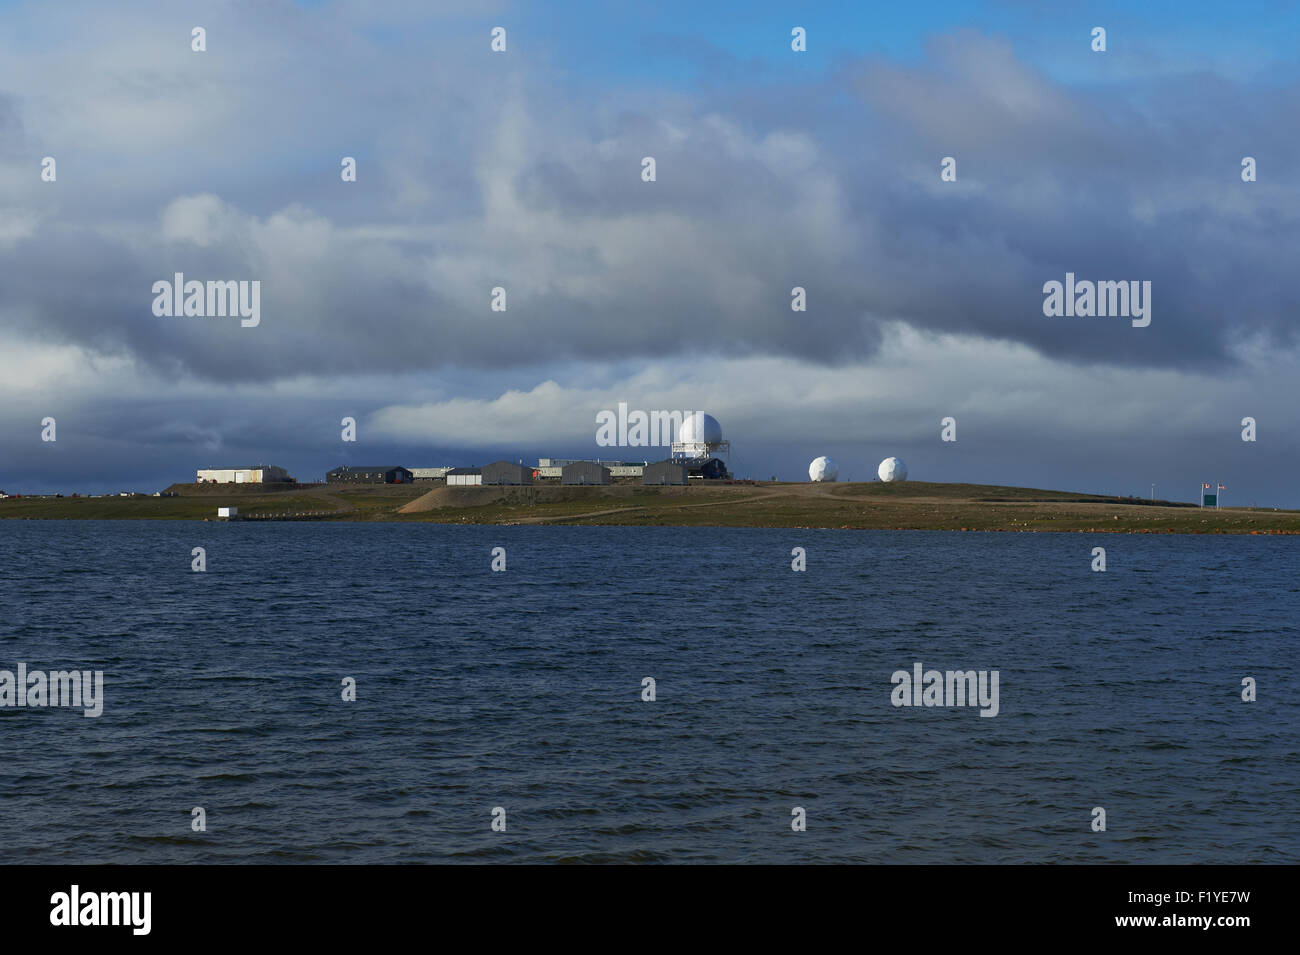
[
  {"x": 485, "y": 172},
  {"x": 1121, "y": 181}
]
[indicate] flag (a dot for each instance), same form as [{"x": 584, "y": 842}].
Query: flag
[
  {"x": 1222, "y": 488},
  {"x": 1205, "y": 487}
]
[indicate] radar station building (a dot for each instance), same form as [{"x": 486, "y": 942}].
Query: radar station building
[
  {"x": 429, "y": 474},
  {"x": 698, "y": 445},
  {"x": 664, "y": 472},
  {"x": 464, "y": 477},
  {"x": 358, "y": 474},
  {"x": 258, "y": 474},
  {"x": 585, "y": 472},
  {"x": 506, "y": 472}
]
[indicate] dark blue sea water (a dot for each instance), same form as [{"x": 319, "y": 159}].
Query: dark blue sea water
[{"x": 522, "y": 690}]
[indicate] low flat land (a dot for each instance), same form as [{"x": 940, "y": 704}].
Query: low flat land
[{"x": 913, "y": 505}]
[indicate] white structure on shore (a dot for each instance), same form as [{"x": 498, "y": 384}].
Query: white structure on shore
[
  {"x": 428, "y": 474},
  {"x": 823, "y": 469},
  {"x": 554, "y": 467},
  {"x": 700, "y": 437},
  {"x": 258, "y": 474},
  {"x": 464, "y": 477},
  {"x": 892, "y": 469}
]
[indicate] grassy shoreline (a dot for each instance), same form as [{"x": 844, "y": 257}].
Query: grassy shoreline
[{"x": 912, "y": 505}]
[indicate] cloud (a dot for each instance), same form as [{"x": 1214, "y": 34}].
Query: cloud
[
  {"x": 601, "y": 266},
  {"x": 916, "y": 379},
  {"x": 1022, "y": 418},
  {"x": 477, "y": 171}
]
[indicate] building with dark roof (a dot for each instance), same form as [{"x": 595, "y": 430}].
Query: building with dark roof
[
  {"x": 585, "y": 472},
  {"x": 664, "y": 472},
  {"x": 506, "y": 472},
  {"x": 360, "y": 474}
]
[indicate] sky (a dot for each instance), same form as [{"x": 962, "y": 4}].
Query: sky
[{"x": 774, "y": 169}]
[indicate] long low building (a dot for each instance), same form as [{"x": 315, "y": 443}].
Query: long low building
[
  {"x": 626, "y": 470},
  {"x": 359, "y": 474},
  {"x": 464, "y": 477},
  {"x": 584, "y": 472},
  {"x": 554, "y": 467},
  {"x": 506, "y": 472},
  {"x": 258, "y": 474},
  {"x": 664, "y": 472}
]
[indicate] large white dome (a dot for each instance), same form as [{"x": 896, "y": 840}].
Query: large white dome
[
  {"x": 823, "y": 469},
  {"x": 700, "y": 428},
  {"x": 892, "y": 469}
]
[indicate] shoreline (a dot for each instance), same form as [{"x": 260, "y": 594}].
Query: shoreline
[{"x": 911, "y": 505}]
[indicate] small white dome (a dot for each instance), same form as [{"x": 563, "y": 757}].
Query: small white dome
[
  {"x": 700, "y": 428},
  {"x": 892, "y": 469},
  {"x": 823, "y": 469}
]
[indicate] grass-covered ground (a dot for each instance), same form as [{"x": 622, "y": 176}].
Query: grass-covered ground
[
  {"x": 911, "y": 505},
  {"x": 153, "y": 508}
]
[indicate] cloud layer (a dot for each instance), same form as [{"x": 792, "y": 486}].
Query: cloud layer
[{"x": 478, "y": 170}]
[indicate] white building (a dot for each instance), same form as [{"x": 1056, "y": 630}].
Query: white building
[
  {"x": 260, "y": 474},
  {"x": 700, "y": 438},
  {"x": 823, "y": 469},
  {"x": 428, "y": 474},
  {"x": 892, "y": 469},
  {"x": 554, "y": 467},
  {"x": 463, "y": 477}
]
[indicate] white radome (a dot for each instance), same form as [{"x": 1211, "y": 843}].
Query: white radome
[
  {"x": 823, "y": 469},
  {"x": 892, "y": 469},
  {"x": 700, "y": 428}
]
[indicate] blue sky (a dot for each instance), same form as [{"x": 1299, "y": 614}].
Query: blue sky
[
  {"x": 600, "y": 40},
  {"x": 624, "y": 41}
]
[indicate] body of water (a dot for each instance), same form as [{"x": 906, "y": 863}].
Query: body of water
[{"x": 522, "y": 690}]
